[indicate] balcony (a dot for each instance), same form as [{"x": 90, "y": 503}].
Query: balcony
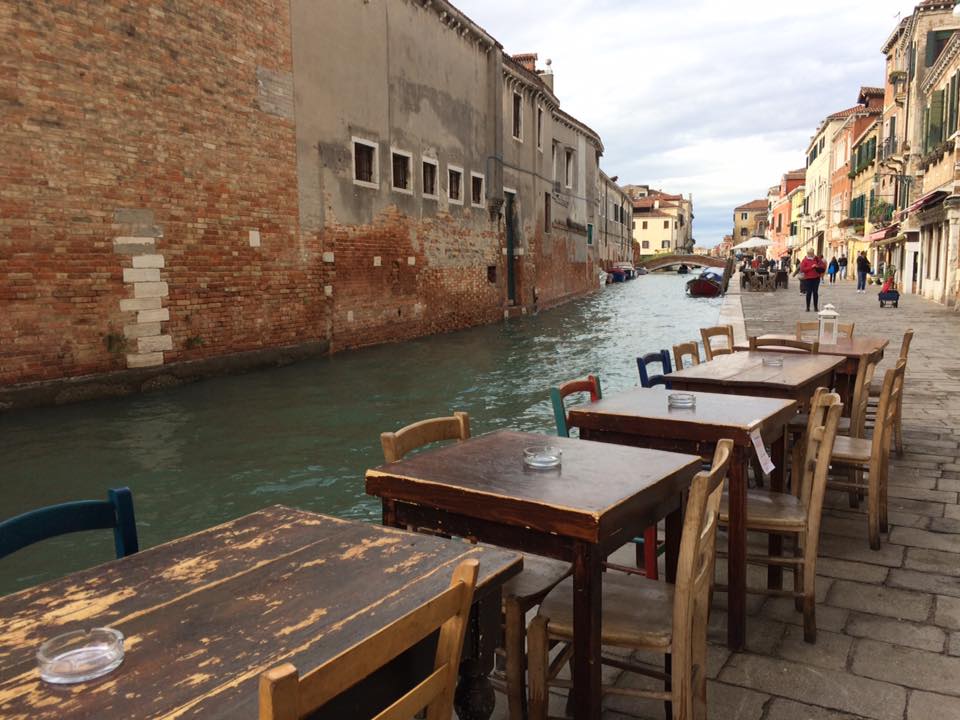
[{"x": 888, "y": 149}]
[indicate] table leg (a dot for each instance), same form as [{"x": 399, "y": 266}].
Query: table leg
[
  {"x": 777, "y": 484},
  {"x": 474, "y": 698},
  {"x": 587, "y": 599},
  {"x": 674, "y": 531},
  {"x": 737, "y": 550}
]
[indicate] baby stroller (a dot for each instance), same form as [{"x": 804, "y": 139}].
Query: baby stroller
[{"x": 888, "y": 293}]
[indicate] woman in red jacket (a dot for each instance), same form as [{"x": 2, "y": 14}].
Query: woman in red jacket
[{"x": 810, "y": 271}]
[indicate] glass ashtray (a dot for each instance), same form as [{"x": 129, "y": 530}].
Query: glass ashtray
[
  {"x": 542, "y": 457},
  {"x": 773, "y": 360},
  {"x": 681, "y": 400},
  {"x": 80, "y": 655}
]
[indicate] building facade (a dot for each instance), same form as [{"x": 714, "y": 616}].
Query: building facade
[
  {"x": 781, "y": 221},
  {"x": 318, "y": 196},
  {"x": 663, "y": 222},
  {"x": 750, "y": 220}
]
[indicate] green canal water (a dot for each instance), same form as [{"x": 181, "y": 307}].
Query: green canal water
[{"x": 303, "y": 435}]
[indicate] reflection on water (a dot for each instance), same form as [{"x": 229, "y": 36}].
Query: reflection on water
[{"x": 303, "y": 435}]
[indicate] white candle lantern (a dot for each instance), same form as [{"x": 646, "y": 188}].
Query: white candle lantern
[{"x": 829, "y": 322}]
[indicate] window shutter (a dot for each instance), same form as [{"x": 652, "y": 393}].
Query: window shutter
[
  {"x": 952, "y": 108},
  {"x": 931, "y": 48},
  {"x": 936, "y": 118},
  {"x": 926, "y": 130}
]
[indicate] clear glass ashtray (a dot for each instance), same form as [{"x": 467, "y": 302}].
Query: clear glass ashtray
[
  {"x": 542, "y": 457},
  {"x": 681, "y": 400},
  {"x": 80, "y": 655},
  {"x": 773, "y": 360}
]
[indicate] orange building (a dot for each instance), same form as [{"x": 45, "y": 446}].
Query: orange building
[{"x": 781, "y": 208}]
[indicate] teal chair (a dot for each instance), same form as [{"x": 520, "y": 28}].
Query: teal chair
[
  {"x": 115, "y": 513},
  {"x": 647, "y": 548}
]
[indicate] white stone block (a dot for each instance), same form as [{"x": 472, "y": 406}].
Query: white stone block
[
  {"x": 377, "y": 261},
  {"x": 148, "y": 261},
  {"x": 155, "y": 344},
  {"x": 135, "y": 304},
  {"x": 328, "y": 257},
  {"x": 328, "y": 290},
  {"x": 350, "y": 316},
  {"x": 141, "y": 360},
  {"x": 147, "y": 243},
  {"x": 141, "y": 275},
  {"x": 411, "y": 260},
  {"x": 150, "y": 289},
  {"x": 153, "y": 316},
  {"x": 140, "y": 330},
  {"x": 254, "y": 238}
]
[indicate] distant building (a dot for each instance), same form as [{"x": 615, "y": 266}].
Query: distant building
[
  {"x": 663, "y": 223},
  {"x": 781, "y": 220},
  {"x": 750, "y": 220}
]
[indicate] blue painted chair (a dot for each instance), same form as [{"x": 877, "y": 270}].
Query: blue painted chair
[
  {"x": 646, "y": 379},
  {"x": 115, "y": 513},
  {"x": 647, "y": 549}
]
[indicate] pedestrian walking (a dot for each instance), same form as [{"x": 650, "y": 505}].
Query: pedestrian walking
[
  {"x": 810, "y": 270},
  {"x": 843, "y": 267},
  {"x": 832, "y": 269},
  {"x": 863, "y": 269}
]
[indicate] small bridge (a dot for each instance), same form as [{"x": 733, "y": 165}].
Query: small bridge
[{"x": 662, "y": 261}]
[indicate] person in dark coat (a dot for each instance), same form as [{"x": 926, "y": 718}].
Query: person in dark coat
[
  {"x": 843, "y": 267},
  {"x": 863, "y": 269},
  {"x": 832, "y": 269}
]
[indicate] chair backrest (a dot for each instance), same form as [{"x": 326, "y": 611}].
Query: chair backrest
[
  {"x": 397, "y": 444},
  {"x": 721, "y": 331},
  {"x": 684, "y": 351},
  {"x": 115, "y": 513},
  {"x": 691, "y": 603},
  {"x": 861, "y": 398},
  {"x": 591, "y": 384},
  {"x": 891, "y": 394},
  {"x": 905, "y": 344},
  {"x": 757, "y": 343},
  {"x": 646, "y": 379},
  {"x": 811, "y": 330},
  {"x": 284, "y": 695}
]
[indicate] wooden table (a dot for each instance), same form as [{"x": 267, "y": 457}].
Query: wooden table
[
  {"x": 205, "y": 615},
  {"x": 600, "y": 498},
  {"x": 855, "y": 351},
  {"x": 641, "y": 417}
]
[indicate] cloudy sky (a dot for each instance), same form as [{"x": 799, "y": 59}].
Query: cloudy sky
[{"x": 712, "y": 97}]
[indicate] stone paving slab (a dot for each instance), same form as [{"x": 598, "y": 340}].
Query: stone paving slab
[{"x": 889, "y": 621}]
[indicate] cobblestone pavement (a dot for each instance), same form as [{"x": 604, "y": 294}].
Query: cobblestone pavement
[{"x": 888, "y": 646}]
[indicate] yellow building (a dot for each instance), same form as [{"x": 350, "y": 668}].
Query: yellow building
[
  {"x": 750, "y": 220},
  {"x": 865, "y": 201},
  {"x": 798, "y": 198},
  {"x": 662, "y": 222}
]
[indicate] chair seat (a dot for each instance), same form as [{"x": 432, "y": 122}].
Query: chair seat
[
  {"x": 538, "y": 577},
  {"x": 851, "y": 450},
  {"x": 769, "y": 511},
  {"x": 798, "y": 423},
  {"x": 876, "y": 387},
  {"x": 637, "y": 612}
]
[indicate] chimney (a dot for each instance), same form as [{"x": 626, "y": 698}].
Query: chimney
[
  {"x": 528, "y": 60},
  {"x": 547, "y": 75},
  {"x": 656, "y": 204}
]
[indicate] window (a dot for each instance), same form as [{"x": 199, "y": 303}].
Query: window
[
  {"x": 666, "y": 224},
  {"x": 455, "y": 184},
  {"x": 540, "y": 129},
  {"x": 665, "y": 245},
  {"x": 645, "y": 244},
  {"x": 477, "y": 197},
  {"x": 644, "y": 224},
  {"x": 743, "y": 216},
  {"x": 743, "y": 232},
  {"x": 589, "y": 233},
  {"x": 568, "y": 168},
  {"x": 518, "y": 117},
  {"x": 365, "y": 164},
  {"x": 547, "y": 212},
  {"x": 553, "y": 161},
  {"x": 430, "y": 178},
  {"x": 401, "y": 180},
  {"x": 492, "y": 274}
]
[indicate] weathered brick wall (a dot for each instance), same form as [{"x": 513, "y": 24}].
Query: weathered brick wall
[{"x": 169, "y": 123}]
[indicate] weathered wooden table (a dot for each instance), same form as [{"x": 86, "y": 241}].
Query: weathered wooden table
[
  {"x": 641, "y": 417},
  {"x": 855, "y": 351},
  {"x": 600, "y": 498},
  {"x": 204, "y": 615}
]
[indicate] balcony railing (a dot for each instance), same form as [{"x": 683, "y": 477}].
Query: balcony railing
[{"x": 889, "y": 148}]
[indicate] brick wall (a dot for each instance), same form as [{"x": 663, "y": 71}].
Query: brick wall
[{"x": 155, "y": 139}]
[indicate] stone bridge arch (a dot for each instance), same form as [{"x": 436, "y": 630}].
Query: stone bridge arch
[{"x": 662, "y": 261}]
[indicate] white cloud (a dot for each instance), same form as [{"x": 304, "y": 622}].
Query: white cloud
[{"x": 712, "y": 97}]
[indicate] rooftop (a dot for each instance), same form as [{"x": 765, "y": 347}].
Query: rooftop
[{"x": 753, "y": 205}]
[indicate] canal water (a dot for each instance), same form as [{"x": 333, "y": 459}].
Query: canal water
[{"x": 303, "y": 435}]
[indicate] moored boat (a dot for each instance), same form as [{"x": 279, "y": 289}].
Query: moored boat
[{"x": 707, "y": 284}]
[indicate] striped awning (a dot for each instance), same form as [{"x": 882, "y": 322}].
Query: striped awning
[
  {"x": 925, "y": 201},
  {"x": 883, "y": 233}
]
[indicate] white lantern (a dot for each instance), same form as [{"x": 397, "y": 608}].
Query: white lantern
[{"x": 829, "y": 321}]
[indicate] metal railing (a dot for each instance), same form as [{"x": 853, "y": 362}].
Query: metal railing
[{"x": 888, "y": 148}]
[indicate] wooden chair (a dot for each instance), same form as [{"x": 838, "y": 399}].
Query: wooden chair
[
  {"x": 798, "y": 514},
  {"x": 663, "y": 359},
  {"x": 877, "y": 386},
  {"x": 721, "y": 331},
  {"x": 760, "y": 343},
  {"x": 591, "y": 385},
  {"x": 682, "y": 352},
  {"x": 811, "y": 330},
  {"x": 115, "y": 513},
  {"x": 397, "y": 444},
  {"x": 640, "y": 614},
  {"x": 284, "y": 695},
  {"x": 873, "y": 456}
]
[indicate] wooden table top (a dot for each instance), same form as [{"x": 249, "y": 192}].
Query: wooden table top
[
  {"x": 855, "y": 347},
  {"x": 485, "y": 478},
  {"x": 747, "y": 369},
  {"x": 204, "y": 615},
  {"x": 644, "y": 411}
]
